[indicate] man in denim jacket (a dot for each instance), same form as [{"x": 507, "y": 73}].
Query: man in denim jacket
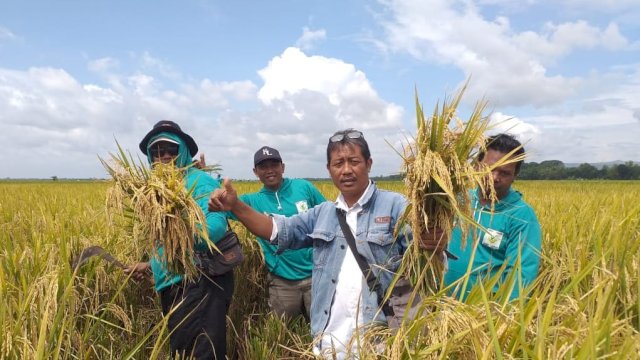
[{"x": 342, "y": 302}]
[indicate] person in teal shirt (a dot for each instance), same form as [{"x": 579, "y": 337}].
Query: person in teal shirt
[
  {"x": 289, "y": 275},
  {"x": 509, "y": 236},
  {"x": 197, "y": 309}
]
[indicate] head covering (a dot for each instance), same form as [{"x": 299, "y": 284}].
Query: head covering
[
  {"x": 168, "y": 126},
  {"x": 266, "y": 153},
  {"x": 183, "y": 159}
]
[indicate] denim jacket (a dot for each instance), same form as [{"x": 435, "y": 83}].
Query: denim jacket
[{"x": 319, "y": 228}]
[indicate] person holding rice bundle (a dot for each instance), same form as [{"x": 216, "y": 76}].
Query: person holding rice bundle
[
  {"x": 509, "y": 234},
  {"x": 343, "y": 302},
  {"x": 197, "y": 308}
]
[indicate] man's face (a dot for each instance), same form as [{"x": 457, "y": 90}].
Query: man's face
[
  {"x": 270, "y": 173},
  {"x": 349, "y": 171},
  {"x": 164, "y": 152},
  {"x": 503, "y": 176}
]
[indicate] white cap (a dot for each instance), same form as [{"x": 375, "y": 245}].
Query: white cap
[{"x": 164, "y": 139}]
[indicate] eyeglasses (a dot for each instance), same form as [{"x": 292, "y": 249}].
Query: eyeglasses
[
  {"x": 354, "y": 134},
  {"x": 165, "y": 148}
]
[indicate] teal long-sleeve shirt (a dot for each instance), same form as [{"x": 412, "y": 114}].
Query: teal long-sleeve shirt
[
  {"x": 510, "y": 231},
  {"x": 202, "y": 185}
]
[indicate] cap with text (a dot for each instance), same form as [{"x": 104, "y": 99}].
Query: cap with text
[{"x": 266, "y": 153}]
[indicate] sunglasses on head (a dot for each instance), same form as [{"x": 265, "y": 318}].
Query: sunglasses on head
[
  {"x": 353, "y": 134},
  {"x": 164, "y": 148}
]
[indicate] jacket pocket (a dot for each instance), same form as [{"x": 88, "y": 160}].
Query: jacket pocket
[
  {"x": 381, "y": 236},
  {"x": 322, "y": 242},
  {"x": 383, "y": 246}
]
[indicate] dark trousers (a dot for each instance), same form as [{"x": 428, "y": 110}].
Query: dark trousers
[{"x": 198, "y": 316}]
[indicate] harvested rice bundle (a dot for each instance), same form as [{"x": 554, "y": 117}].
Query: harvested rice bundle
[
  {"x": 162, "y": 210},
  {"x": 439, "y": 170}
]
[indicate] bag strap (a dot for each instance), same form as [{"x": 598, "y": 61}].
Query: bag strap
[
  {"x": 372, "y": 281},
  {"x": 229, "y": 228}
]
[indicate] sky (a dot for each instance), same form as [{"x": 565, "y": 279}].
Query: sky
[{"x": 77, "y": 77}]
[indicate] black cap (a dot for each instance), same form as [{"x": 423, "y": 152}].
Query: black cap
[
  {"x": 266, "y": 153},
  {"x": 171, "y": 127}
]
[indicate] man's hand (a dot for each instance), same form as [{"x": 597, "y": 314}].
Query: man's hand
[
  {"x": 139, "y": 271},
  {"x": 223, "y": 199},
  {"x": 434, "y": 239}
]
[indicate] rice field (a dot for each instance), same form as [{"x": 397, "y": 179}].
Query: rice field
[{"x": 585, "y": 304}]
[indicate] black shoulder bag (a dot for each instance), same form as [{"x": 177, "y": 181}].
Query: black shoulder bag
[{"x": 228, "y": 256}]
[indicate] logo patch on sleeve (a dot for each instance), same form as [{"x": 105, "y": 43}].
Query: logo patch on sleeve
[
  {"x": 492, "y": 238},
  {"x": 382, "y": 220},
  {"x": 302, "y": 206}
]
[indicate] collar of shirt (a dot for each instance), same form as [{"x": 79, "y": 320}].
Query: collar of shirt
[{"x": 342, "y": 205}]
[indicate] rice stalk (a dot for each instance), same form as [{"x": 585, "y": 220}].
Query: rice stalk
[
  {"x": 163, "y": 213},
  {"x": 440, "y": 171}
]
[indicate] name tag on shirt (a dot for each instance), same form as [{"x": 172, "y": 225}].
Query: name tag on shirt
[
  {"x": 302, "y": 206},
  {"x": 492, "y": 239}
]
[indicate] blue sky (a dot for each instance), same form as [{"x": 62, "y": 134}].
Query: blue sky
[{"x": 564, "y": 76}]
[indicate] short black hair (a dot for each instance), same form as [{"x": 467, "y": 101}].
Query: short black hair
[
  {"x": 504, "y": 143},
  {"x": 346, "y": 140}
]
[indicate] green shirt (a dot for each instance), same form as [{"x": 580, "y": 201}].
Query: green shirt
[
  {"x": 293, "y": 197},
  {"x": 510, "y": 232}
]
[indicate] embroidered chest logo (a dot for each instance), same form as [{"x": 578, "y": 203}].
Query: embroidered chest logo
[
  {"x": 302, "y": 206},
  {"x": 383, "y": 220},
  {"x": 492, "y": 238}
]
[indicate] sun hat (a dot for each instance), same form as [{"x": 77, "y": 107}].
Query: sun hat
[{"x": 170, "y": 127}]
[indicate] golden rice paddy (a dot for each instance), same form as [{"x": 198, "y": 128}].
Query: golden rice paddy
[{"x": 584, "y": 304}]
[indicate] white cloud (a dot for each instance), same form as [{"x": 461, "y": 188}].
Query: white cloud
[
  {"x": 310, "y": 37},
  {"x": 508, "y": 67},
  {"x": 500, "y": 123},
  {"x": 305, "y": 99},
  {"x": 103, "y": 65},
  {"x": 577, "y": 145},
  {"x": 602, "y": 128},
  {"x": 294, "y": 71},
  {"x": 558, "y": 40},
  {"x": 151, "y": 63},
  {"x": 57, "y": 125},
  {"x": 602, "y": 6},
  {"x": 6, "y": 34}
]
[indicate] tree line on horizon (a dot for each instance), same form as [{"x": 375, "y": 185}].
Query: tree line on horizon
[
  {"x": 545, "y": 170},
  {"x": 557, "y": 170}
]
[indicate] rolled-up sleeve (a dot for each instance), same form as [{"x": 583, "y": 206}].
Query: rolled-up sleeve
[{"x": 293, "y": 232}]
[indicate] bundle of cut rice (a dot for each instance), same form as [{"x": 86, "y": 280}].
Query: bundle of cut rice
[
  {"x": 440, "y": 170},
  {"x": 162, "y": 211}
]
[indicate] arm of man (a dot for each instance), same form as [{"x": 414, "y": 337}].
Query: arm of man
[{"x": 226, "y": 199}]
